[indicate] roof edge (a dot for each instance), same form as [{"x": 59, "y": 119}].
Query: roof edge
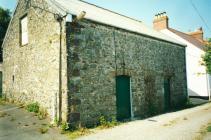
[
  {"x": 65, "y": 10},
  {"x": 182, "y": 37},
  {"x": 10, "y": 23},
  {"x": 111, "y": 11}
]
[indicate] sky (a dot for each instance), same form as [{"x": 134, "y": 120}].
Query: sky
[{"x": 182, "y": 15}]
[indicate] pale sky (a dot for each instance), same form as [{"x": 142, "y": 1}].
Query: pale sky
[{"x": 182, "y": 15}]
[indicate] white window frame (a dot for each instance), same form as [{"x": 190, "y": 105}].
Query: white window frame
[{"x": 24, "y": 37}]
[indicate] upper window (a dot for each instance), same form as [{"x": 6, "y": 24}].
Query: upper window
[{"x": 24, "y": 31}]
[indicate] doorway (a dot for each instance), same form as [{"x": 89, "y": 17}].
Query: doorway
[{"x": 123, "y": 100}]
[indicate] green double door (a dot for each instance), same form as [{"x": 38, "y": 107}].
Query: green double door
[
  {"x": 123, "y": 97},
  {"x": 167, "y": 95}
]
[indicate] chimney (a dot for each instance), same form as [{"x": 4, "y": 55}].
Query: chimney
[
  {"x": 198, "y": 34},
  {"x": 160, "y": 21}
]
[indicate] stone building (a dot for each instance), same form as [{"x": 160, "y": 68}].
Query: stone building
[
  {"x": 198, "y": 80},
  {"x": 80, "y": 62}
]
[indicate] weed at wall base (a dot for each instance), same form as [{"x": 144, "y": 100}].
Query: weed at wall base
[
  {"x": 106, "y": 123},
  {"x": 33, "y": 107},
  {"x": 40, "y": 112}
]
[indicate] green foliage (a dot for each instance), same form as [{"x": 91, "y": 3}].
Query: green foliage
[
  {"x": 56, "y": 121},
  {"x": 40, "y": 112},
  {"x": 81, "y": 131},
  {"x": 34, "y": 107},
  {"x": 207, "y": 57},
  {"x": 209, "y": 128},
  {"x": 103, "y": 121},
  {"x": 113, "y": 122},
  {"x": 107, "y": 123},
  {"x": 4, "y": 22},
  {"x": 64, "y": 126}
]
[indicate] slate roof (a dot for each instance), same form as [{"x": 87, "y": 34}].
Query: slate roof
[
  {"x": 188, "y": 38},
  {"x": 101, "y": 15}
]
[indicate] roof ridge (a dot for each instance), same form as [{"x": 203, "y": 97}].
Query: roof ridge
[
  {"x": 187, "y": 37},
  {"x": 108, "y": 17},
  {"x": 110, "y": 11},
  {"x": 180, "y": 32}
]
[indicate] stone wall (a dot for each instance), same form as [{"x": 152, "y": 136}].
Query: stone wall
[
  {"x": 31, "y": 72},
  {"x": 97, "y": 53}
]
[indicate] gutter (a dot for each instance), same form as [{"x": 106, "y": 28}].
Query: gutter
[{"x": 61, "y": 8}]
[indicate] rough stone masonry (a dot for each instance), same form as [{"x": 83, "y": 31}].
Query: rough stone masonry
[
  {"x": 96, "y": 56},
  {"x": 92, "y": 55}
]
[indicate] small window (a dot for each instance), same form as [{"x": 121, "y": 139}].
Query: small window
[{"x": 24, "y": 31}]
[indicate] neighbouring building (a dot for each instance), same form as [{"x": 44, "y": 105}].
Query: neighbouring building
[
  {"x": 197, "y": 77},
  {"x": 80, "y": 62}
]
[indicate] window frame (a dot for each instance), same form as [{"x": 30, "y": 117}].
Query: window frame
[{"x": 20, "y": 31}]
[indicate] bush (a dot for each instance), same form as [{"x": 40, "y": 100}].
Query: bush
[
  {"x": 64, "y": 126},
  {"x": 114, "y": 122},
  {"x": 103, "y": 121},
  {"x": 209, "y": 128},
  {"x": 34, "y": 107},
  {"x": 106, "y": 124},
  {"x": 207, "y": 57}
]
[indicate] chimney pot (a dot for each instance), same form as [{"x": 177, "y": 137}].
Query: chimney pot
[
  {"x": 161, "y": 21},
  {"x": 200, "y": 29},
  {"x": 198, "y": 34}
]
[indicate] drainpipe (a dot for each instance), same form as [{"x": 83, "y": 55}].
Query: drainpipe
[
  {"x": 60, "y": 19},
  {"x": 58, "y": 111}
]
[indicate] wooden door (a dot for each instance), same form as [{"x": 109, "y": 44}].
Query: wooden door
[{"x": 123, "y": 97}]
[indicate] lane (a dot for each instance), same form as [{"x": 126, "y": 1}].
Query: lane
[
  {"x": 18, "y": 124},
  {"x": 181, "y": 125}
]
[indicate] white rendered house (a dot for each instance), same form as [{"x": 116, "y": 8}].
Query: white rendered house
[{"x": 199, "y": 82}]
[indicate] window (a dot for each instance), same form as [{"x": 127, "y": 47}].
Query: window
[{"x": 24, "y": 31}]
